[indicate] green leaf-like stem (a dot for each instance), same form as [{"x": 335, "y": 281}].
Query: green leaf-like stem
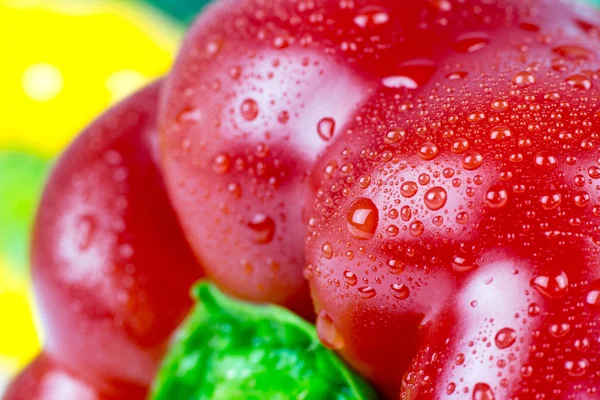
[{"x": 228, "y": 349}]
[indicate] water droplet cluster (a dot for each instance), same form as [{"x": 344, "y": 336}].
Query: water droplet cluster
[
  {"x": 444, "y": 142},
  {"x": 489, "y": 159}
]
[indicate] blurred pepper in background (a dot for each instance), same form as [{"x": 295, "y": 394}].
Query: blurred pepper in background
[{"x": 64, "y": 62}]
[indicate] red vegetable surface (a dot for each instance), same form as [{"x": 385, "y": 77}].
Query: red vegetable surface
[
  {"x": 45, "y": 379},
  {"x": 111, "y": 267},
  {"x": 453, "y": 253}
]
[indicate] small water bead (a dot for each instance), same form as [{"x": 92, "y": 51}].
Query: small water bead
[
  {"x": 405, "y": 213},
  {"x": 594, "y": 172},
  {"x": 387, "y": 155},
  {"x": 371, "y": 16},
  {"x": 327, "y": 250},
  {"x": 395, "y": 266},
  {"x": 393, "y": 213},
  {"x": 500, "y": 133},
  {"x": 307, "y": 272},
  {"x": 505, "y": 338},
  {"x": 533, "y": 310},
  {"x": 428, "y": 151},
  {"x": 524, "y": 78},
  {"x": 409, "y": 189},
  {"x": 330, "y": 169},
  {"x": 552, "y": 96},
  {"x": 350, "y": 278},
  {"x": 328, "y": 333},
  {"x": 551, "y": 201},
  {"x": 364, "y": 181},
  {"x": 463, "y": 263},
  {"x": 471, "y": 42},
  {"x": 459, "y": 359},
  {"x": 582, "y": 345},
  {"x": 586, "y": 144},
  {"x": 283, "y": 117},
  {"x": 312, "y": 224},
  {"x": 516, "y": 157},
  {"x": 435, "y": 198},
  {"x": 400, "y": 291},
  {"x": 593, "y": 296},
  {"x": 362, "y": 219},
  {"x": 506, "y": 176},
  {"x": 565, "y": 136},
  {"x": 559, "y": 65},
  {"x": 526, "y": 371},
  {"x": 454, "y": 76},
  {"x": 346, "y": 169},
  {"x": 249, "y": 109},
  {"x": 281, "y": 42},
  {"x": 472, "y": 160},
  {"x": 416, "y": 228},
  {"x": 214, "y": 46},
  {"x": 476, "y": 117},
  {"x": 460, "y": 145},
  {"x": 366, "y": 292},
  {"x": 559, "y": 330},
  {"x": 483, "y": 391},
  {"x": 235, "y": 72},
  {"x": 263, "y": 228},
  {"x": 441, "y": 5},
  {"x": 326, "y": 128},
  {"x": 579, "y": 81},
  {"x": 190, "y": 115},
  {"x": 448, "y": 134},
  {"x": 261, "y": 150},
  {"x": 582, "y": 199},
  {"x": 577, "y": 368},
  {"x": 394, "y": 136},
  {"x": 86, "y": 229},
  {"x": 438, "y": 220},
  {"x": 545, "y": 161},
  {"x": 500, "y": 105},
  {"x": 221, "y": 163},
  {"x": 496, "y": 197},
  {"x": 450, "y": 388},
  {"x": 424, "y": 179},
  {"x": 448, "y": 173},
  {"x": 575, "y": 221},
  {"x": 462, "y": 218},
  {"x": 551, "y": 285},
  {"x": 392, "y": 230}
]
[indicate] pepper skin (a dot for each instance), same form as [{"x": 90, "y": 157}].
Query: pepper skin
[
  {"x": 45, "y": 379},
  {"x": 453, "y": 254},
  {"x": 252, "y": 101},
  {"x": 111, "y": 267}
]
